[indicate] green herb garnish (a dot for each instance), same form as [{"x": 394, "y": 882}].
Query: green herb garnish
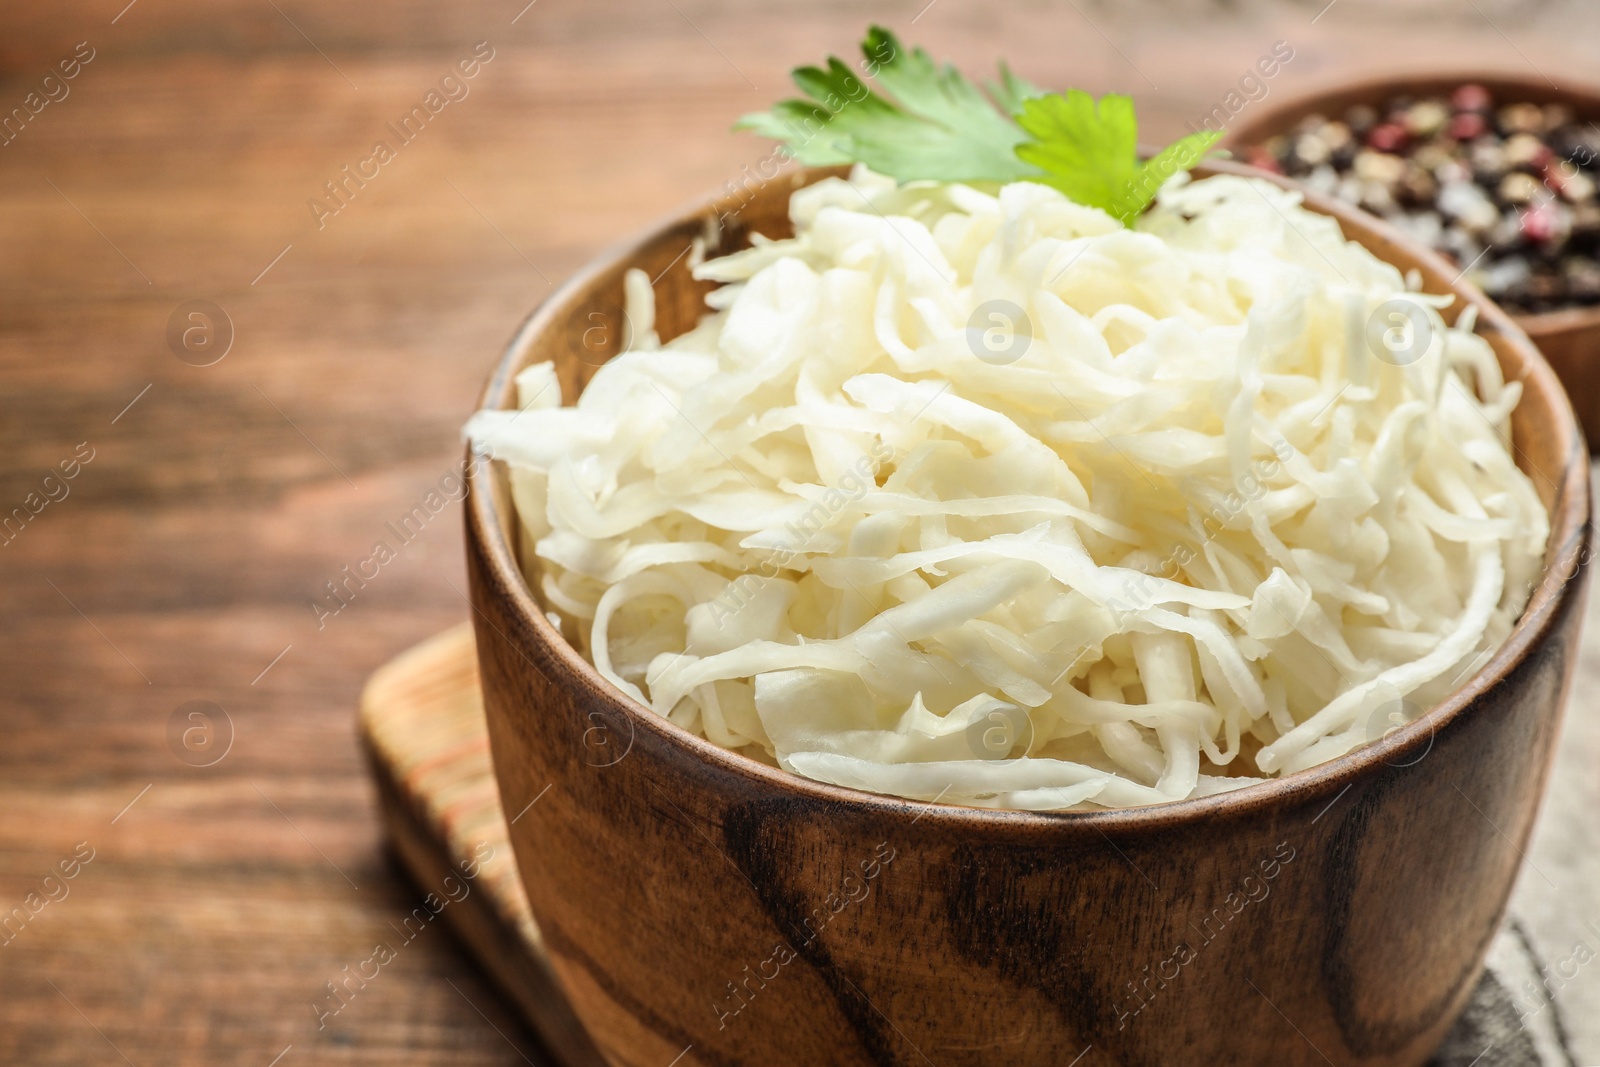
[{"x": 931, "y": 123}]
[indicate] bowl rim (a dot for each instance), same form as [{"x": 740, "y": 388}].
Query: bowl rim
[
  {"x": 1558, "y": 583},
  {"x": 1276, "y": 118}
]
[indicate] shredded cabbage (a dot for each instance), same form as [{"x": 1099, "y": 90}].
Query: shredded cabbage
[{"x": 983, "y": 497}]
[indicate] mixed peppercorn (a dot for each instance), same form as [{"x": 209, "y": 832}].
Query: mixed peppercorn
[{"x": 1507, "y": 191}]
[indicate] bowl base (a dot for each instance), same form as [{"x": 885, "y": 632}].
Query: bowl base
[{"x": 422, "y": 726}]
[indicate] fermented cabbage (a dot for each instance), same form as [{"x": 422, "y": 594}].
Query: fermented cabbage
[{"x": 977, "y": 495}]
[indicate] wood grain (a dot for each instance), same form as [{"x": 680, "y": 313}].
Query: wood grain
[
  {"x": 217, "y": 505},
  {"x": 422, "y": 725},
  {"x": 422, "y": 720}
]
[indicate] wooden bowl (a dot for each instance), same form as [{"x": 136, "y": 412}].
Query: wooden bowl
[
  {"x": 703, "y": 908},
  {"x": 1569, "y": 338}
]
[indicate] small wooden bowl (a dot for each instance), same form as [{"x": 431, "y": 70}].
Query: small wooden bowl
[
  {"x": 1568, "y": 338},
  {"x": 702, "y": 908}
]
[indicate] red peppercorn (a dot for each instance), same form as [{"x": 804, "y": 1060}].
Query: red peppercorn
[
  {"x": 1467, "y": 126},
  {"x": 1539, "y": 223},
  {"x": 1471, "y": 97},
  {"x": 1388, "y": 137},
  {"x": 1260, "y": 157}
]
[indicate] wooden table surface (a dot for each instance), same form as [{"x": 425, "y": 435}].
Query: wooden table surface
[{"x": 184, "y": 561}]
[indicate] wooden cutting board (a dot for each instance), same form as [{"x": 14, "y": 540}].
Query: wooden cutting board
[
  {"x": 422, "y": 726},
  {"x": 423, "y": 730}
]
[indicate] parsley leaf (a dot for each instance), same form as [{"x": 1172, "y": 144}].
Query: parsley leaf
[
  {"x": 1090, "y": 151},
  {"x": 1012, "y": 90},
  {"x": 930, "y": 123},
  {"x": 937, "y": 125}
]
